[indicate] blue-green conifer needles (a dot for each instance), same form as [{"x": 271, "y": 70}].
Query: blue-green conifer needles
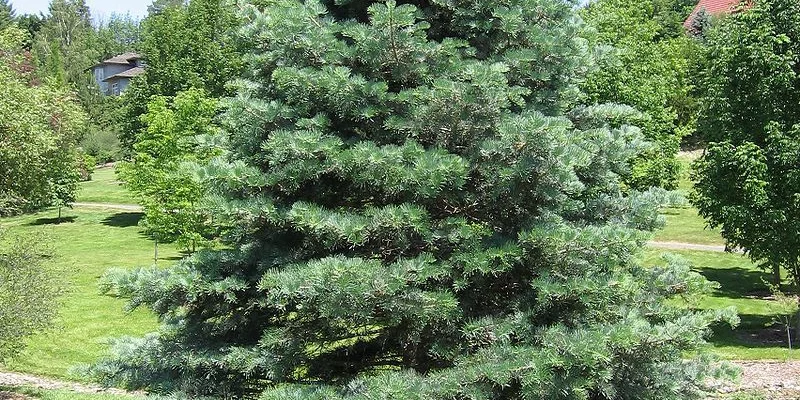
[{"x": 408, "y": 213}]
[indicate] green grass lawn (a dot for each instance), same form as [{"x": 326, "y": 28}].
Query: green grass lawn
[
  {"x": 686, "y": 226},
  {"x": 104, "y": 188},
  {"x": 740, "y": 280},
  {"x": 684, "y": 183},
  {"x": 740, "y": 286},
  {"x": 86, "y": 244}
]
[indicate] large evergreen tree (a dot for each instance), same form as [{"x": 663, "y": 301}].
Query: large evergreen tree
[
  {"x": 407, "y": 214},
  {"x": 6, "y": 14}
]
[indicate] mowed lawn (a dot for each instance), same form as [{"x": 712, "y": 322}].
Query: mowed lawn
[
  {"x": 685, "y": 225},
  {"x": 86, "y": 243},
  {"x": 741, "y": 283},
  {"x": 741, "y": 286},
  {"x": 104, "y": 188}
]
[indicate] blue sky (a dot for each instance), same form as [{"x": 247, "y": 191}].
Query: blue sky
[{"x": 100, "y": 8}]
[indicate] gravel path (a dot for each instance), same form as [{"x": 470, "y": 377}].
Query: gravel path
[
  {"x": 17, "y": 379},
  {"x": 777, "y": 380},
  {"x": 687, "y": 246},
  {"x": 12, "y": 396},
  {"x": 123, "y": 207}
]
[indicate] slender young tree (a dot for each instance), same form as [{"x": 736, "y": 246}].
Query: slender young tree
[
  {"x": 176, "y": 133},
  {"x": 408, "y": 214}
]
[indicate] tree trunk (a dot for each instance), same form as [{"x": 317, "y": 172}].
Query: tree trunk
[
  {"x": 59, "y": 214},
  {"x": 155, "y": 252},
  {"x": 794, "y": 271},
  {"x": 776, "y": 275},
  {"x": 796, "y": 331}
]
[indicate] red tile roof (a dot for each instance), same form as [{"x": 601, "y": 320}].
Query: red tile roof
[{"x": 712, "y": 7}]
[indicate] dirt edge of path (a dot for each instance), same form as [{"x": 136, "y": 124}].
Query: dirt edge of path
[{"x": 12, "y": 379}]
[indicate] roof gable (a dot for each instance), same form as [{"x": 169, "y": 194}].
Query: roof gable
[
  {"x": 125, "y": 58},
  {"x": 122, "y": 59},
  {"x": 130, "y": 73}
]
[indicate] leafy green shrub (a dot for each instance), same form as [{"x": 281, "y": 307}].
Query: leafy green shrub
[
  {"x": 88, "y": 163},
  {"x": 103, "y": 145},
  {"x": 650, "y": 70},
  {"x": 29, "y": 291},
  {"x": 39, "y": 130}
]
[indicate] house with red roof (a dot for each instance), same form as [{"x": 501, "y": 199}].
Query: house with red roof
[{"x": 712, "y": 8}]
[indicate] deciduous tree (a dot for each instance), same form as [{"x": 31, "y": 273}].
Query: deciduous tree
[
  {"x": 176, "y": 131},
  {"x": 748, "y": 179},
  {"x": 39, "y": 128},
  {"x": 649, "y": 69},
  {"x": 116, "y": 35},
  {"x": 29, "y": 291},
  {"x": 64, "y": 46},
  {"x": 186, "y": 46}
]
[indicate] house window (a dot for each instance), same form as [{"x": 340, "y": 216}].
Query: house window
[{"x": 115, "y": 89}]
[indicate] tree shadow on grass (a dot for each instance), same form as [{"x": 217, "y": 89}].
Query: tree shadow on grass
[
  {"x": 123, "y": 220},
  {"x": 672, "y": 210},
  {"x": 754, "y": 331},
  {"x": 737, "y": 282},
  {"x": 53, "y": 221}
]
